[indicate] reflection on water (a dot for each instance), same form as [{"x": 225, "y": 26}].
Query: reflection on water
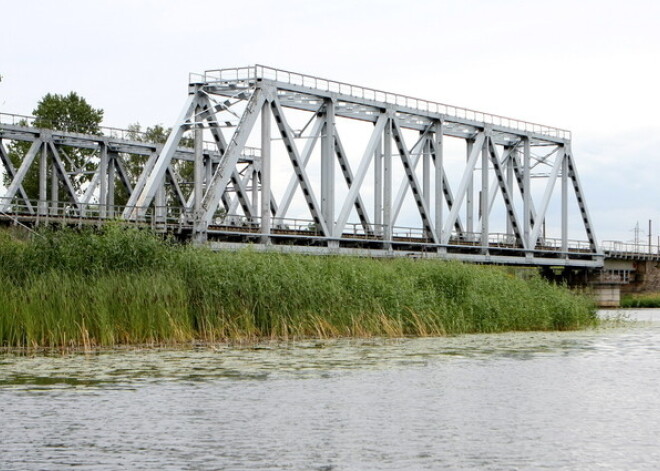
[{"x": 542, "y": 400}]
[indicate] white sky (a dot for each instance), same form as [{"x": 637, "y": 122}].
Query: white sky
[{"x": 589, "y": 66}]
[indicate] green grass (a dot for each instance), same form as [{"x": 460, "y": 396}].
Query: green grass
[
  {"x": 125, "y": 286},
  {"x": 644, "y": 300}
]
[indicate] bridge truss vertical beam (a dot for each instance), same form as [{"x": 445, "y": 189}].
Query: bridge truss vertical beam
[
  {"x": 502, "y": 169},
  {"x": 265, "y": 174},
  {"x": 437, "y": 145}
]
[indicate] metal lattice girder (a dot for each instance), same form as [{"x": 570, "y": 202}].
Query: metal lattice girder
[
  {"x": 207, "y": 114},
  {"x": 227, "y": 165},
  {"x": 495, "y": 186},
  {"x": 130, "y": 211},
  {"x": 443, "y": 190},
  {"x": 273, "y": 201},
  {"x": 286, "y": 200},
  {"x": 463, "y": 187},
  {"x": 519, "y": 161},
  {"x": 353, "y": 192},
  {"x": 234, "y": 202},
  {"x": 519, "y": 173},
  {"x": 536, "y": 231},
  {"x": 405, "y": 185},
  {"x": 579, "y": 194},
  {"x": 506, "y": 192},
  {"x": 299, "y": 167},
  {"x": 173, "y": 178},
  {"x": 4, "y": 158},
  {"x": 63, "y": 176},
  {"x": 17, "y": 181},
  {"x": 429, "y": 230},
  {"x": 345, "y": 166},
  {"x": 139, "y": 201}
]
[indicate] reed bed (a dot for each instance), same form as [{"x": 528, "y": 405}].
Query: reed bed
[
  {"x": 641, "y": 300},
  {"x": 124, "y": 286}
]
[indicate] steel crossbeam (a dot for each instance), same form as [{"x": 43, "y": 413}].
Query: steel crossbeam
[{"x": 472, "y": 185}]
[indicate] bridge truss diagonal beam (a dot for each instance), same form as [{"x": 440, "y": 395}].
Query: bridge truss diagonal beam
[
  {"x": 471, "y": 185},
  {"x": 413, "y": 182},
  {"x": 11, "y": 171},
  {"x": 139, "y": 201},
  {"x": 353, "y": 192},
  {"x": 345, "y": 166},
  {"x": 294, "y": 181},
  {"x": 227, "y": 164},
  {"x": 536, "y": 230},
  {"x": 463, "y": 187},
  {"x": 299, "y": 168},
  {"x": 19, "y": 175},
  {"x": 506, "y": 192}
]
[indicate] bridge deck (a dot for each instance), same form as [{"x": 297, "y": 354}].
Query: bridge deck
[{"x": 301, "y": 237}]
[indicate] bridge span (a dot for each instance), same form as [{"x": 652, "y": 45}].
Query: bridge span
[{"x": 292, "y": 162}]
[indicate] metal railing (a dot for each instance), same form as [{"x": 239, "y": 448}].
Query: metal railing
[
  {"x": 70, "y": 213},
  {"x": 106, "y": 131},
  {"x": 127, "y": 135},
  {"x": 257, "y": 71},
  {"x": 630, "y": 249}
]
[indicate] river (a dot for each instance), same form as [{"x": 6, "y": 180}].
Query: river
[{"x": 587, "y": 400}]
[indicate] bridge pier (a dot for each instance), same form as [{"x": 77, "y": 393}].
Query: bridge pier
[{"x": 606, "y": 294}]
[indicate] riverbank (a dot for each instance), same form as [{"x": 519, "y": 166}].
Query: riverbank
[
  {"x": 641, "y": 300},
  {"x": 125, "y": 286}
]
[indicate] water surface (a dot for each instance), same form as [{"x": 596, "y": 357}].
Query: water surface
[{"x": 568, "y": 400}]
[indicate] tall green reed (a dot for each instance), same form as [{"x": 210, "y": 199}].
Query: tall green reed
[{"x": 126, "y": 286}]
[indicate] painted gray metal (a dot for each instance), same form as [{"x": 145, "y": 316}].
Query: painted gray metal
[{"x": 233, "y": 196}]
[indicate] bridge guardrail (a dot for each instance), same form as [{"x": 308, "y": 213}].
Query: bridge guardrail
[
  {"x": 294, "y": 78},
  {"x": 111, "y": 132},
  {"x": 630, "y": 248},
  {"x": 67, "y": 212}
]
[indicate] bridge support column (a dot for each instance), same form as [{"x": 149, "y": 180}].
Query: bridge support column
[
  {"x": 103, "y": 181},
  {"x": 328, "y": 165},
  {"x": 469, "y": 195},
  {"x": 564, "y": 205},
  {"x": 43, "y": 179},
  {"x": 265, "y": 173},
  {"x": 509, "y": 182},
  {"x": 387, "y": 185},
  {"x": 54, "y": 189},
  {"x": 607, "y": 294},
  {"x": 527, "y": 198},
  {"x": 160, "y": 210},
  {"x": 439, "y": 184},
  {"x": 484, "y": 203},
  {"x": 378, "y": 189},
  {"x": 110, "y": 196}
]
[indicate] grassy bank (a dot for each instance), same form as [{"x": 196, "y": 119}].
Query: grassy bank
[
  {"x": 125, "y": 286},
  {"x": 643, "y": 300}
]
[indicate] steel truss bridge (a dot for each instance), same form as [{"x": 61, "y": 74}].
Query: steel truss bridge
[{"x": 291, "y": 162}]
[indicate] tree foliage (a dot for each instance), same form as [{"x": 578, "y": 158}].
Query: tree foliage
[
  {"x": 134, "y": 164},
  {"x": 66, "y": 113}
]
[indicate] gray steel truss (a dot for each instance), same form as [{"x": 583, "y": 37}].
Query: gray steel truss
[{"x": 261, "y": 149}]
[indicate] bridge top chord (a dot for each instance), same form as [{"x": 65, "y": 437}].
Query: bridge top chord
[{"x": 261, "y": 72}]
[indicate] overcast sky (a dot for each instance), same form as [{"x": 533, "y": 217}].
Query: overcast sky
[{"x": 589, "y": 66}]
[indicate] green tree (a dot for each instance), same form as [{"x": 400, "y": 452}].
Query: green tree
[
  {"x": 66, "y": 113},
  {"x": 134, "y": 164}
]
